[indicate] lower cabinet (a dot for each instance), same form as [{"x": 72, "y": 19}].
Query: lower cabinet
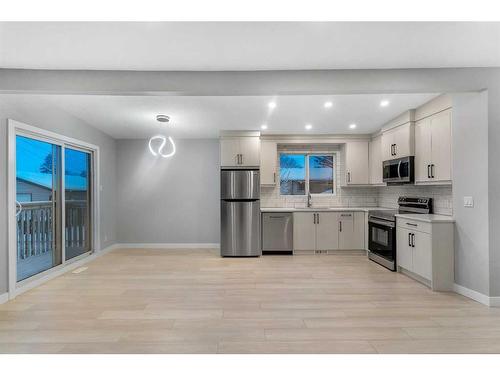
[
  {"x": 415, "y": 252},
  {"x": 425, "y": 252},
  {"x": 351, "y": 230},
  {"x": 327, "y": 238},
  {"x": 328, "y": 230},
  {"x": 304, "y": 231}
]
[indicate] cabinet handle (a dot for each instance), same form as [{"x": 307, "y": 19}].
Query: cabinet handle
[
  {"x": 348, "y": 176},
  {"x": 409, "y": 239},
  {"x": 392, "y": 150},
  {"x": 432, "y": 170},
  {"x": 274, "y": 177},
  {"x": 428, "y": 171},
  {"x": 318, "y": 218},
  {"x": 412, "y": 224},
  {"x": 395, "y": 149},
  {"x": 340, "y": 226},
  {"x": 314, "y": 218},
  {"x": 413, "y": 240},
  {"x": 241, "y": 155}
]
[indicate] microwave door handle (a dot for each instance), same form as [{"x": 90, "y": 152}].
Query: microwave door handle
[{"x": 399, "y": 169}]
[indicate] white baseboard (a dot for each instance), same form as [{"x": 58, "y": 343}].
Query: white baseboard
[
  {"x": 57, "y": 272},
  {"x": 472, "y": 294},
  {"x": 494, "y": 301},
  {"x": 167, "y": 246},
  {"x": 4, "y": 298}
]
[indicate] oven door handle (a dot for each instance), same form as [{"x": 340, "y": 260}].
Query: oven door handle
[{"x": 381, "y": 222}]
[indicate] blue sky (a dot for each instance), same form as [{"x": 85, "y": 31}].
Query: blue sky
[
  {"x": 299, "y": 172},
  {"x": 31, "y": 154}
]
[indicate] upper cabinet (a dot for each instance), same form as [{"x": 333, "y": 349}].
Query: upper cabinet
[
  {"x": 240, "y": 151},
  {"x": 433, "y": 148},
  {"x": 375, "y": 160},
  {"x": 268, "y": 160},
  {"x": 398, "y": 142},
  {"x": 356, "y": 163}
]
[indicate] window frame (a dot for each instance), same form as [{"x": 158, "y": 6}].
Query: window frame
[{"x": 307, "y": 154}]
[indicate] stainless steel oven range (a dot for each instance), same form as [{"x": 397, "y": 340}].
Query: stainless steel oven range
[{"x": 382, "y": 229}]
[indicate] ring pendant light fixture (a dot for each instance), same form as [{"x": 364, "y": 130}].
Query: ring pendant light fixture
[{"x": 155, "y": 147}]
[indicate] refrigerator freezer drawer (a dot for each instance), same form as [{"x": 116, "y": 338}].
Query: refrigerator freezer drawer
[
  {"x": 240, "y": 184},
  {"x": 240, "y": 228}
]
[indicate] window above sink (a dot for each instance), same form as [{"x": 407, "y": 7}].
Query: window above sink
[{"x": 303, "y": 173}]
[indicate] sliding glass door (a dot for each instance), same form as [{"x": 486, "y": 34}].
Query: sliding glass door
[
  {"x": 77, "y": 194},
  {"x": 38, "y": 200},
  {"x": 46, "y": 237}
]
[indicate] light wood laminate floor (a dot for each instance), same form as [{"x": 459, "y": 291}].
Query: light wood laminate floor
[{"x": 193, "y": 301}]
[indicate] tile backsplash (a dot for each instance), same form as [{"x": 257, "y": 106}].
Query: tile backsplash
[{"x": 380, "y": 196}]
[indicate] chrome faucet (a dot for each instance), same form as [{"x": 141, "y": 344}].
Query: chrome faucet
[{"x": 309, "y": 199}]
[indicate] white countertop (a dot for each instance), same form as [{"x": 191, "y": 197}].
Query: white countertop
[
  {"x": 321, "y": 209},
  {"x": 427, "y": 218}
]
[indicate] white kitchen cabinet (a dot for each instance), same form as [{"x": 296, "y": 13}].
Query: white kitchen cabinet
[
  {"x": 433, "y": 148},
  {"x": 398, "y": 142},
  {"x": 425, "y": 252},
  {"x": 240, "y": 152},
  {"x": 327, "y": 238},
  {"x": 422, "y": 150},
  {"x": 304, "y": 231},
  {"x": 422, "y": 254},
  {"x": 268, "y": 160},
  {"x": 250, "y": 151},
  {"x": 351, "y": 230},
  {"x": 375, "y": 160},
  {"x": 357, "y": 163},
  {"x": 328, "y": 230},
  {"x": 404, "y": 249},
  {"x": 229, "y": 152}
]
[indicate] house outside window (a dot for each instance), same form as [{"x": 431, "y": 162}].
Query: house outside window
[{"x": 303, "y": 173}]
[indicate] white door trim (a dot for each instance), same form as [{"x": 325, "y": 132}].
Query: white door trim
[{"x": 15, "y": 128}]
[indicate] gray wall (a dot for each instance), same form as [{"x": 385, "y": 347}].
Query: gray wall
[
  {"x": 174, "y": 200},
  {"x": 12, "y": 106},
  {"x": 470, "y": 178}
]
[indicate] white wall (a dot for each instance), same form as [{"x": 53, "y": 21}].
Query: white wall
[
  {"x": 12, "y": 106},
  {"x": 174, "y": 200}
]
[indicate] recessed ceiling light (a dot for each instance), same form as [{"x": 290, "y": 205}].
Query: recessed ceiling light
[
  {"x": 162, "y": 118},
  {"x": 384, "y": 103},
  {"x": 328, "y": 104},
  {"x": 308, "y": 126},
  {"x": 272, "y": 105},
  {"x": 352, "y": 126},
  {"x": 263, "y": 126}
]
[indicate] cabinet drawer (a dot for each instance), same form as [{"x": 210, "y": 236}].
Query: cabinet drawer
[{"x": 414, "y": 225}]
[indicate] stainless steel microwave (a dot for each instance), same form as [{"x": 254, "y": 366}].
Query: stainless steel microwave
[{"x": 399, "y": 171}]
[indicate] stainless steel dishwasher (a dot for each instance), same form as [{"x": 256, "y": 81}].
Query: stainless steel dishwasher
[{"x": 277, "y": 232}]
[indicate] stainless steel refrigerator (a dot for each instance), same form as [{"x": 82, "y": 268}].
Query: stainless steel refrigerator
[{"x": 240, "y": 213}]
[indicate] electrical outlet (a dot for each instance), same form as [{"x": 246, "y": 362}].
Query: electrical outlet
[{"x": 468, "y": 202}]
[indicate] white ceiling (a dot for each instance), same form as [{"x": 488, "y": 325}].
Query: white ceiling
[
  {"x": 206, "y": 116},
  {"x": 248, "y": 46}
]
